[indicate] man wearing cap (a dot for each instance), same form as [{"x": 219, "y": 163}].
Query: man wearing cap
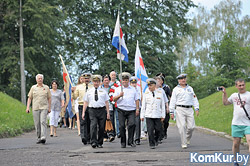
[
  {"x": 128, "y": 107},
  {"x": 183, "y": 98},
  {"x": 160, "y": 84},
  {"x": 153, "y": 109},
  {"x": 79, "y": 92},
  {"x": 133, "y": 83},
  {"x": 97, "y": 100}
]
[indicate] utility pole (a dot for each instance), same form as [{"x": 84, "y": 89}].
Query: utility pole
[{"x": 23, "y": 82}]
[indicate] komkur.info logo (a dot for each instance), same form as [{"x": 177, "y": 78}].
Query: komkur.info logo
[{"x": 218, "y": 158}]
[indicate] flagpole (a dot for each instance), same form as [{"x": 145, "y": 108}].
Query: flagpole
[
  {"x": 120, "y": 50},
  {"x": 66, "y": 70}
]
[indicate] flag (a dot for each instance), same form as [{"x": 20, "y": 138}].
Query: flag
[
  {"x": 118, "y": 37},
  {"x": 140, "y": 71},
  {"x": 67, "y": 85}
]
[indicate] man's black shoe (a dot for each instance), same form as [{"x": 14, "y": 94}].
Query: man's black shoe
[
  {"x": 99, "y": 146},
  {"x": 165, "y": 136},
  {"x": 84, "y": 141},
  {"x": 43, "y": 141},
  {"x": 38, "y": 142},
  {"x": 123, "y": 146},
  {"x": 152, "y": 147},
  {"x": 111, "y": 139},
  {"x": 93, "y": 145},
  {"x": 132, "y": 145},
  {"x": 118, "y": 136}
]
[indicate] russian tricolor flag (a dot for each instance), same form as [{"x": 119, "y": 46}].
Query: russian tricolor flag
[{"x": 119, "y": 38}]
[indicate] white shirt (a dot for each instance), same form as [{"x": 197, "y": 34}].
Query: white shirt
[
  {"x": 127, "y": 102},
  {"x": 153, "y": 107},
  {"x": 102, "y": 97},
  {"x": 163, "y": 92},
  {"x": 183, "y": 96},
  {"x": 239, "y": 115}
]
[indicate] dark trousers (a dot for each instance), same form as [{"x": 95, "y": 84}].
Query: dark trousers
[
  {"x": 112, "y": 118},
  {"x": 97, "y": 117},
  {"x": 130, "y": 117},
  {"x": 138, "y": 128},
  {"x": 165, "y": 125},
  {"x": 154, "y": 127},
  {"x": 84, "y": 124}
]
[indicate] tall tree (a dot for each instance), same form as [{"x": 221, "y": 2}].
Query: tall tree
[{"x": 157, "y": 25}]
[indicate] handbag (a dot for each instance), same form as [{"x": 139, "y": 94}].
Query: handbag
[
  {"x": 108, "y": 126},
  {"x": 243, "y": 107}
]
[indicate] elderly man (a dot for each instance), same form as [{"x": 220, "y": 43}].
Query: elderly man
[
  {"x": 114, "y": 83},
  {"x": 241, "y": 119},
  {"x": 98, "y": 101},
  {"x": 79, "y": 92},
  {"x": 183, "y": 99},
  {"x": 153, "y": 108},
  {"x": 128, "y": 107},
  {"x": 40, "y": 96}
]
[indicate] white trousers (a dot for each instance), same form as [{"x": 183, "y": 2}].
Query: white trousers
[
  {"x": 185, "y": 123},
  {"x": 40, "y": 121},
  {"x": 53, "y": 118}
]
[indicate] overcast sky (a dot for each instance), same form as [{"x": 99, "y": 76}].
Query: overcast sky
[{"x": 210, "y": 4}]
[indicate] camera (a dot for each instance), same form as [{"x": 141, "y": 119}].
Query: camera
[{"x": 219, "y": 89}]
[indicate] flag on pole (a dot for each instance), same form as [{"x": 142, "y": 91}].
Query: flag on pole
[
  {"x": 140, "y": 71},
  {"x": 118, "y": 38},
  {"x": 67, "y": 85}
]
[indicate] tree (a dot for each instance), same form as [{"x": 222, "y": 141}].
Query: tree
[{"x": 157, "y": 25}]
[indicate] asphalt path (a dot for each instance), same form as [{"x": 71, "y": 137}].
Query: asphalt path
[{"x": 67, "y": 149}]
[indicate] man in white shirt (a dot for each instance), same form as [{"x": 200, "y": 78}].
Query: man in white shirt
[
  {"x": 240, "y": 122},
  {"x": 183, "y": 99},
  {"x": 128, "y": 107},
  {"x": 96, "y": 99},
  {"x": 153, "y": 108}
]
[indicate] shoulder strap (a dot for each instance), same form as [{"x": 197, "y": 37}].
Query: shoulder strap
[{"x": 243, "y": 107}]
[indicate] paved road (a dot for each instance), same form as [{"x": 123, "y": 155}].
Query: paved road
[{"x": 67, "y": 149}]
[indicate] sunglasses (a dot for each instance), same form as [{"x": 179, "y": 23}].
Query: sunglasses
[{"x": 180, "y": 78}]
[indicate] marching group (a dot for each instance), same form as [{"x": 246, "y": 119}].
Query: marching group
[{"x": 99, "y": 98}]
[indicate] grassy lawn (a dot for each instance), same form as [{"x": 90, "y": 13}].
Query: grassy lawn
[
  {"x": 213, "y": 114},
  {"x": 13, "y": 118}
]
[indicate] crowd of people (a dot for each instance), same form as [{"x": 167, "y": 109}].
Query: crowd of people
[
  {"x": 96, "y": 98},
  {"x": 145, "y": 115}
]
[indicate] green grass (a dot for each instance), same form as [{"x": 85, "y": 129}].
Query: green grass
[
  {"x": 213, "y": 114},
  {"x": 13, "y": 118}
]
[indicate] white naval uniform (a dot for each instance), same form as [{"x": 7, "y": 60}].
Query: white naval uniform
[
  {"x": 184, "y": 116},
  {"x": 153, "y": 108}
]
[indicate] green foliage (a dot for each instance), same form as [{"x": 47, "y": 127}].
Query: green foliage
[
  {"x": 157, "y": 25},
  {"x": 214, "y": 115},
  {"x": 14, "y": 119}
]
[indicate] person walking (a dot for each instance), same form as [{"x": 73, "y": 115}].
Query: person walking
[
  {"x": 57, "y": 102},
  {"x": 97, "y": 100},
  {"x": 79, "y": 92},
  {"x": 241, "y": 120},
  {"x": 153, "y": 109},
  {"x": 40, "y": 97},
  {"x": 128, "y": 108},
  {"x": 183, "y": 99}
]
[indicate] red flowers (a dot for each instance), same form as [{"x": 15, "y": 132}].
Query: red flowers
[
  {"x": 111, "y": 90},
  {"x": 115, "y": 84}
]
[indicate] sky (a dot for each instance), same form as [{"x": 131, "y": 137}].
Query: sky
[{"x": 209, "y": 4}]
